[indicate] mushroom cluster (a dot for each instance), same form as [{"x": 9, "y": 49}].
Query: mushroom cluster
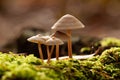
[{"x": 62, "y": 32}]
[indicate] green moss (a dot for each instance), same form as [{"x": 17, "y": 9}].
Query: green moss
[
  {"x": 110, "y": 56},
  {"x": 103, "y": 67},
  {"x": 110, "y": 42},
  {"x": 84, "y": 49}
]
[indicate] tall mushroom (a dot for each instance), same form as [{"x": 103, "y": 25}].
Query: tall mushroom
[
  {"x": 53, "y": 41},
  {"x": 39, "y": 39},
  {"x": 68, "y": 23}
]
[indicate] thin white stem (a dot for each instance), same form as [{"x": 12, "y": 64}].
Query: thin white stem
[
  {"x": 48, "y": 53},
  {"x": 40, "y": 51},
  {"x": 52, "y": 48},
  {"x": 69, "y": 45},
  {"x": 57, "y": 52}
]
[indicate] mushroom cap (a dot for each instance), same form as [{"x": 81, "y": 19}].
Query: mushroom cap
[
  {"x": 36, "y": 39},
  {"x": 61, "y": 35},
  {"x": 54, "y": 41},
  {"x": 67, "y": 22},
  {"x": 45, "y": 37}
]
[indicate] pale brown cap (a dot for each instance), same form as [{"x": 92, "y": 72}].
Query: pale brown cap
[
  {"x": 61, "y": 35},
  {"x": 54, "y": 41},
  {"x": 45, "y": 37},
  {"x": 36, "y": 39},
  {"x": 67, "y": 22}
]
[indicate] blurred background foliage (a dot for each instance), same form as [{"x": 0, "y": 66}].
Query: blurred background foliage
[{"x": 20, "y": 19}]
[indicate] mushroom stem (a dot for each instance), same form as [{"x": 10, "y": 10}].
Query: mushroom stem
[
  {"x": 57, "y": 52},
  {"x": 69, "y": 45},
  {"x": 52, "y": 48},
  {"x": 40, "y": 51},
  {"x": 48, "y": 53}
]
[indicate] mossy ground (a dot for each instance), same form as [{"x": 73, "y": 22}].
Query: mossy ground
[{"x": 100, "y": 67}]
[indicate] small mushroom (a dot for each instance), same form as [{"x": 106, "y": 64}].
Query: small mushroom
[
  {"x": 46, "y": 38},
  {"x": 53, "y": 41},
  {"x": 68, "y": 23},
  {"x": 60, "y": 35},
  {"x": 39, "y": 39}
]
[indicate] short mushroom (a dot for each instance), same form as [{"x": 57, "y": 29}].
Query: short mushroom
[
  {"x": 46, "y": 38},
  {"x": 39, "y": 40},
  {"x": 68, "y": 23},
  {"x": 53, "y": 41},
  {"x": 64, "y": 37},
  {"x": 61, "y": 35}
]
